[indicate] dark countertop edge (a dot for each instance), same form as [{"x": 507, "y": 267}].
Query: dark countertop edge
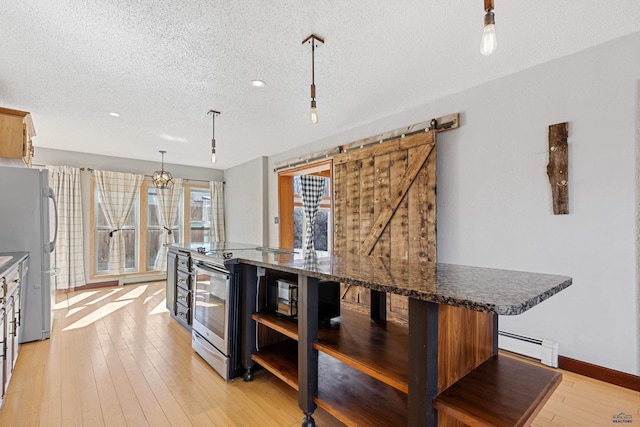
[
  {"x": 17, "y": 257},
  {"x": 505, "y": 310}
]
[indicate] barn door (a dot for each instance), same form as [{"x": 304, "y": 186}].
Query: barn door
[{"x": 385, "y": 206}]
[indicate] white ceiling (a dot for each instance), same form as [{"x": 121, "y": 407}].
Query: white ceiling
[{"x": 163, "y": 64}]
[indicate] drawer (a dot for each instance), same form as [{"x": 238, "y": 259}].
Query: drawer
[
  {"x": 184, "y": 262},
  {"x": 183, "y": 313},
  {"x": 183, "y": 280},
  {"x": 184, "y": 296}
]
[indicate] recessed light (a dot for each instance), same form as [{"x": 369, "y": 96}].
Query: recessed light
[
  {"x": 172, "y": 138},
  {"x": 112, "y": 114},
  {"x": 257, "y": 83}
]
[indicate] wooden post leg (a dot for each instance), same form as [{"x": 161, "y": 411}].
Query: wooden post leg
[
  {"x": 378, "y": 306},
  {"x": 423, "y": 362},
  {"x": 248, "y": 339},
  {"x": 307, "y": 355}
]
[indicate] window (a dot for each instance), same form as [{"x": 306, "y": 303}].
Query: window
[
  {"x": 322, "y": 229},
  {"x": 143, "y": 230},
  {"x": 291, "y": 209},
  {"x": 199, "y": 215},
  {"x": 101, "y": 239},
  {"x": 155, "y": 230}
]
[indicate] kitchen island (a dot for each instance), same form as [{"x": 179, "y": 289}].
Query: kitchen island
[{"x": 442, "y": 369}]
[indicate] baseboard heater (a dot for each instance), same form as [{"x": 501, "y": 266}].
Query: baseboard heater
[
  {"x": 546, "y": 351},
  {"x": 141, "y": 278}
]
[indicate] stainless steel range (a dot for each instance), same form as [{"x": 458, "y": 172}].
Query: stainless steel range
[{"x": 216, "y": 313}]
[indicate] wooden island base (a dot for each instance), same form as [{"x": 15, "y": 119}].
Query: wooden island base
[{"x": 356, "y": 388}]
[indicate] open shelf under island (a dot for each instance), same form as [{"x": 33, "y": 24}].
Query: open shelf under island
[{"x": 443, "y": 369}]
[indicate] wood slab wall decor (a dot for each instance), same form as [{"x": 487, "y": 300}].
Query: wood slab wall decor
[
  {"x": 385, "y": 205},
  {"x": 558, "y": 167}
]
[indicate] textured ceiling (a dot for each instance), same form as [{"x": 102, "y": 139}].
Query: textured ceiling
[{"x": 163, "y": 64}]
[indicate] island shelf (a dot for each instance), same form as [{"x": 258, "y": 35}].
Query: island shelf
[{"x": 352, "y": 397}]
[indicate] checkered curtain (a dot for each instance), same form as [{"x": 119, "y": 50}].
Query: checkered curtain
[
  {"x": 312, "y": 189},
  {"x": 217, "y": 211},
  {"x": 168, "y": 201},
  {"x": 68, "y": 255},
  {"x": 118, "y": 193}
]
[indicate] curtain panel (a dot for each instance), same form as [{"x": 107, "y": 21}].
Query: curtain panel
[
  {"x": 118, "y": 193},
  {"x": 168, "y": 202},
  {"x": 217, "y": 211},
  {"x": 312, "y": 188},
  {"x": 68, "y": 255}
]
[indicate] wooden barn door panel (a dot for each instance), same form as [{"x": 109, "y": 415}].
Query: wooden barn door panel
[{"x": 384, "y": 204}]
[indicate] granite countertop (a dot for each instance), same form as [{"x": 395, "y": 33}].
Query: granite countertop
[
  {"x": 14, "y": 259},
  {"x": 504, "y": 292}
]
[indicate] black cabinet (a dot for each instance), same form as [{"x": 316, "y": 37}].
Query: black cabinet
[{"x": 179, "y": 286}]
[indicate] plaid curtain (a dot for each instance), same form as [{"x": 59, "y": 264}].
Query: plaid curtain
[
  {"x": 168, "y": 201},
  {"x": 312, "y": 188},
  {"x": 118, "y": 192},
  {"x": 217, "y": 211},
  {"x": 68, "y": 255}
]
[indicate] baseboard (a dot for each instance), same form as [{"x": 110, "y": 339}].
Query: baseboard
[
  {"x": 601, "y": 373},
  {"x": 97, "y": 285}
]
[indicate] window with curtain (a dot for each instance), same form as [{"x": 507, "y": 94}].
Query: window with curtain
[
  {"x": 144, "y": 232},
  {"x": 156, "y": 231},
  {"x": 128, "y": 232},
  {"x": 322, "y": 227}
]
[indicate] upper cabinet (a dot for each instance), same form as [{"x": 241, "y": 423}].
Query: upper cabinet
[{"x": 16, "y": 132}]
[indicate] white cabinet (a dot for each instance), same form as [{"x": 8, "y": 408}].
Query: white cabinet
[{"x": 9, "y": 323}]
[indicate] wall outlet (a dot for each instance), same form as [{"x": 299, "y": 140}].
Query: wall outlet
[{"x": 276, "y": 220}]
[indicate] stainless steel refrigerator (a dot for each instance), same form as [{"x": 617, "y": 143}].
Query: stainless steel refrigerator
[{"x": 27, "y": 211}]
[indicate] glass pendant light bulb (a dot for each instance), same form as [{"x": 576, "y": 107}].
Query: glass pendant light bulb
[
  {"x": 213, "y": 157},
  {"x": 489, "y": 42},
  {"x": 314, "y": 115},
  {"x": 213, "y": 151}
]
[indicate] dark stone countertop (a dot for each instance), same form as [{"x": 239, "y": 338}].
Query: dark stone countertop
[{"x": 504, "y": 292}]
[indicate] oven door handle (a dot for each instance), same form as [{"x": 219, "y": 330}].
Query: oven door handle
[
  {"x": 212, "y": 269},
  {"x": 208, "y": 347}
]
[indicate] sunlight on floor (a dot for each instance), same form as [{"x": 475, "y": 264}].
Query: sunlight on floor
[
  {"x": 133, "y": 294},
  {"x": 68, "y": 302},
  {"x": 75, "y": 310},
  {"x": 98, "y": 314},
  {"x": 107, "y": 295},
  {"x": 160, "y": 308}
]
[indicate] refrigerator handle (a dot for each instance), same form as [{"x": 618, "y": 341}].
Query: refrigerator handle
[{"x": 52, "y": 245}]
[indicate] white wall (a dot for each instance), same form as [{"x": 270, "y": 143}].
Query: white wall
[
  {"x": 494, "y": 200},
  {"x": 44, "y": 156},
  {"x": 246, "y": 202}
]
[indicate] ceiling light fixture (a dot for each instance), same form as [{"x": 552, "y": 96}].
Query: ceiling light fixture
[
  {"x": 213, "y": 113},
  {"x": 313, "y": 39},
  {"x": 113, "y": 114},
  {"x": 489, "y": 43},
  {"x": 162, "y": 179},
  {"x": 257, "y": 83}
]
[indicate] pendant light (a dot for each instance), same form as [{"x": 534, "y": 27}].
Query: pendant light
[
  {"x": 213, "y": 113},
  {"x": 313, "y": 39},
  {"x": 489, "y": 43},
  {"x": 162, "y": 179}
]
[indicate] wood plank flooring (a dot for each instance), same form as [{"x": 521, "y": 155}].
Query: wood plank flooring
[{"x": 116, "y": 358}]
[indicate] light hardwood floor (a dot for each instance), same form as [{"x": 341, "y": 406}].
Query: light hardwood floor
[{"x": 116, "y": 358}]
